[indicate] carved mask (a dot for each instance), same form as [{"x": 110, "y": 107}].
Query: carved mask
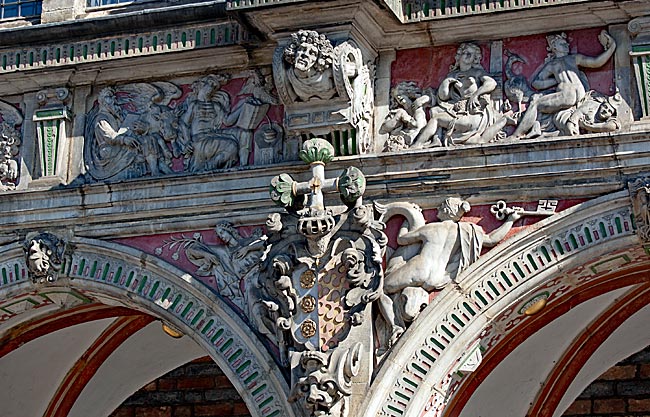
[{"x": 306, "y": 56}]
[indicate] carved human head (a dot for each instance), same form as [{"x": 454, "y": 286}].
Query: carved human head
[
  {"x": 468, "y": 56},
  {"x": 404, "y": 93},
  {"x": 453, "y": 208},
  {"x": 558, "y": 45},
  {"x": 605, "y": 111},
  {"x": 106, "y": 98},
  {"x": 226, "y": 232},
  {"x": 205, "y": 87},
  {"x": 309, "y": 49}
]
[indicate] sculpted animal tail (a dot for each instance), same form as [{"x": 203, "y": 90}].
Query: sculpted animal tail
[{"x": 412, "y": 213}]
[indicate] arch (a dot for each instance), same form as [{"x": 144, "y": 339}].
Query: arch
[
  {"x": 114, "y": 274},
  {"x": 474, "y": 316}
]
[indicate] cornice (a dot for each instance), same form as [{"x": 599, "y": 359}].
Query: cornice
[{"x": 582, "y": 167}]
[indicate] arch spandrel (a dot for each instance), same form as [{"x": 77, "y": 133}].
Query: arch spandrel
[
  {"x": 118, "y": 275},
  {"x": 453, "y": 333}
]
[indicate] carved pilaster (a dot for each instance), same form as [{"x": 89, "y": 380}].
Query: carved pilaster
[
  {"x": 640, "y": 53},
  {"x": 52, "y": 119}
]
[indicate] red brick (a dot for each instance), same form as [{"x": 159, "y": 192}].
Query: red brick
[
  {"x": 150, "y": 386},
  {"x": 213, "y": 410},
  {"x": 204, "y": 382},
  {"x": 182, "y": 411},
  {"x": 202, "y": 359},
  {"x": 639, "y": 405},
  {"x": 223, "y": 382},
  {"x": 579, "y": 407},
  {"x": 619, "y": 373},
  {"x": 240, "y": 409},
  {"x": 153, "y": 412},
  {"x": 609, "y": 406},
  {"x": 123, "y": 412},
  {"x": 644, "y": 371},
  {"x": 166, "y": 384}
]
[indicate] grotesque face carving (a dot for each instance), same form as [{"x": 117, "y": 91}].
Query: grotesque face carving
[{"x": 306, "y": 56}]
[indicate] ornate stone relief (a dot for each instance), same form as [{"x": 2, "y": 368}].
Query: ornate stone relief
[
  {"x": 640, "y": 193},
  {"x": 152, "y": 129},
  {"x": 327, "y": 90},
  {"x": 566, "y": 105},
  {"x": 44, "y": 256},
  {"x": 232, "y": 264},
  {"x": 321, "y": 273},
  {"x": 466, "y": 107},
  {"x": 10, "y": 141}
]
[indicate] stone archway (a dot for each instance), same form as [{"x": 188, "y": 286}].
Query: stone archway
[
  {"x": 114, "y": 275},
  {"x": 436, "y": 367}
]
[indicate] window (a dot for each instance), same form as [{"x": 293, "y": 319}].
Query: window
[{"x": 20, "y": 8}]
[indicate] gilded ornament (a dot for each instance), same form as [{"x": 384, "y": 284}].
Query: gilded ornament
[
  {"x": 307, "y": 279},
  {"x": 308, "y": 304},
  {"x": 308, "y": 328}
]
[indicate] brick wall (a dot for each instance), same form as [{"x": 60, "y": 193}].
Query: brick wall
[
  {"x": 196, "y": 389},
  {"x": 623, "y": 390}
]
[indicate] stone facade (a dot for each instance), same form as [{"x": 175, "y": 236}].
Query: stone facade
[{"x": 359, "y": 207}]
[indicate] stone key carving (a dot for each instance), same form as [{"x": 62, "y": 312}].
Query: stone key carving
[
  {"x": 566, "y": 105},
  {"x": 44, "y": 255},
  {"x": 432, "y": 255}
]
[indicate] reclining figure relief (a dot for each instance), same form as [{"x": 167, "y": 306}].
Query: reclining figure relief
[{"x": 565, "y": 105}]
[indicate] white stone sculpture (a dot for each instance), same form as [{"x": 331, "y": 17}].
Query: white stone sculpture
[
  {"x": 640, "y": 193},
  {"x": 566, "y": 105},
  {"x": 407, "y": 116},
  {"x": 324, "y": 380},
  {"x": 230, "y": 264},
  {"x": 464, "y": 112},
  {"x": 325, "y": 89},
  {"x": 432, "y": 255},
  {"x": 310, "y": 56},
  {"x": 10, "y": 141}
]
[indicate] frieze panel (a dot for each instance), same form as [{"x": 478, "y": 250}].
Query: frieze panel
[
  {"x": 160, "y": 128},
  {"x": 505, "y": 90}
]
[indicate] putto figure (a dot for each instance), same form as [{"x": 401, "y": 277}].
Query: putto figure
[
  {"x": 465, "y": 113},
  {"x": 310, "y": 55},
  {"x": 406, "y": 117}
]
